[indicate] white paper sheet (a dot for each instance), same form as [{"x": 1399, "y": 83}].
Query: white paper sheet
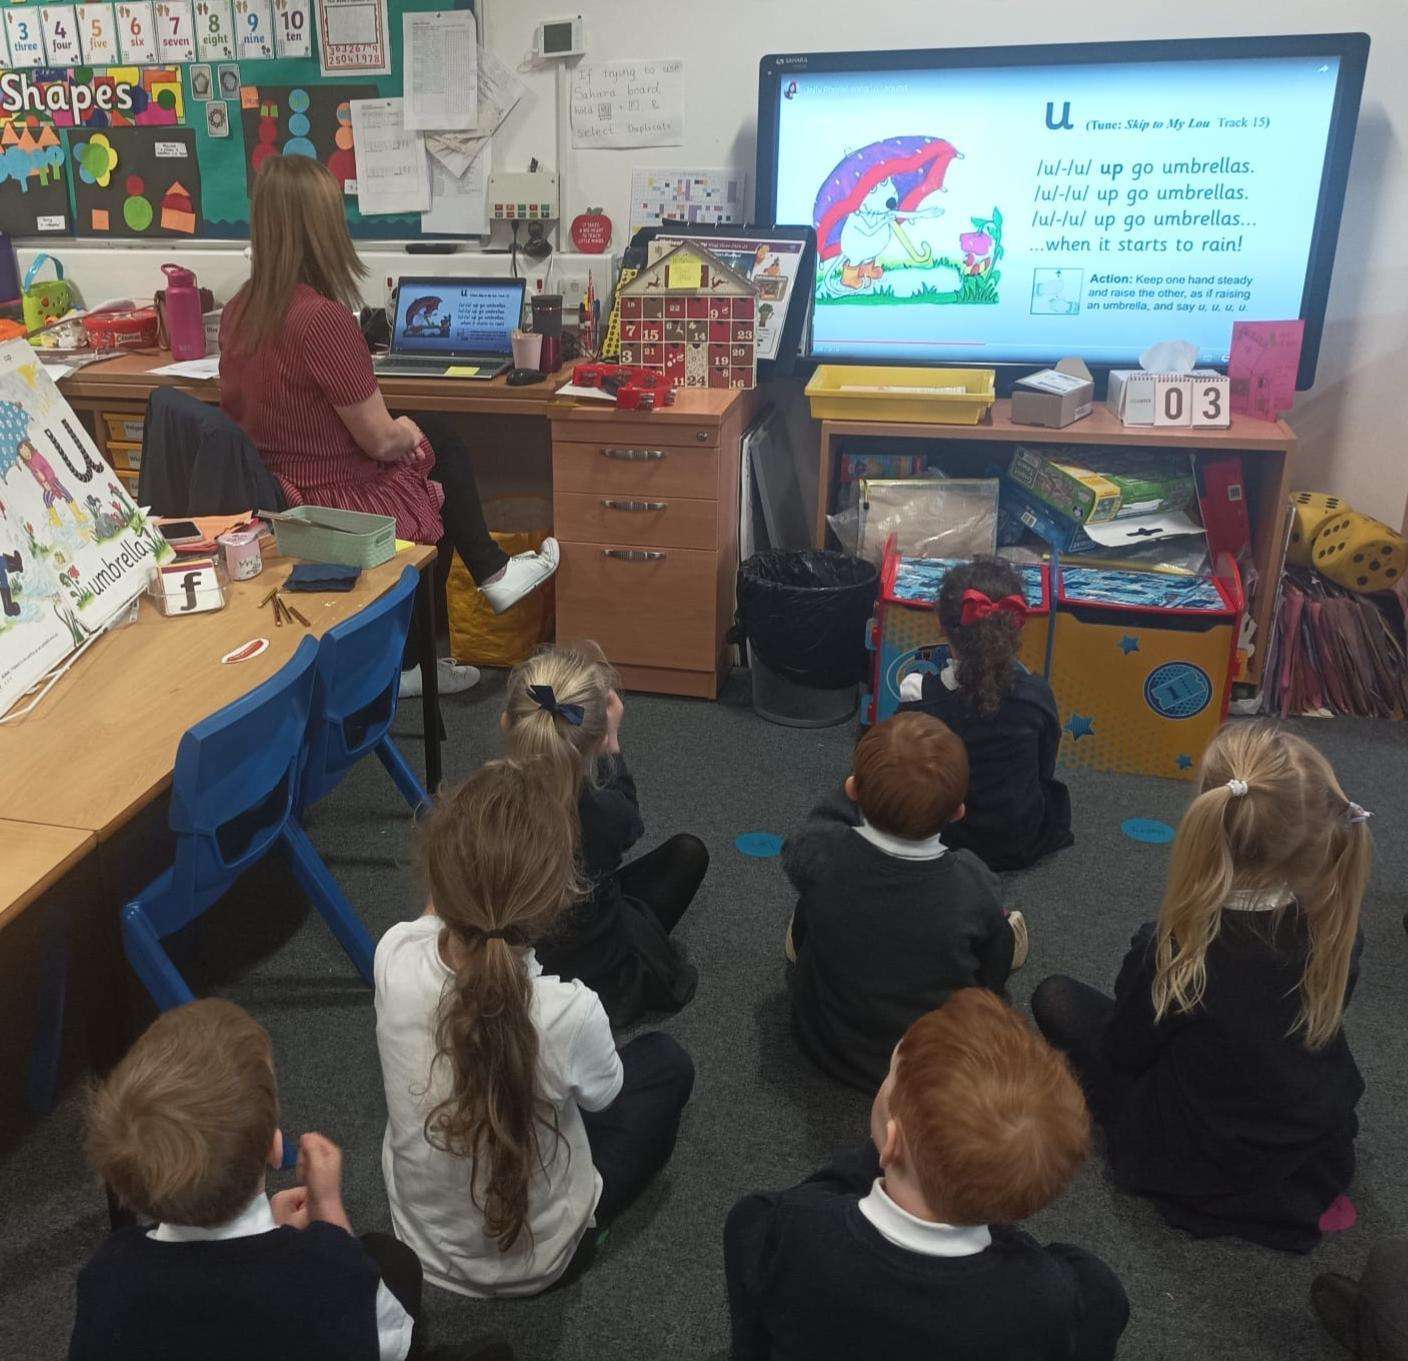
[
  {"x": 457, "y": 203},
  {"x": 628, "y": 103},
  {"x": 440, "y": 58},
  {"x": 392, "y": 174},
  {"x": 499, "y": 93},
  {"x": 209, "y": 367},
  {"x": 353, "y": 38},
  {"x": 698, "y": 197}
]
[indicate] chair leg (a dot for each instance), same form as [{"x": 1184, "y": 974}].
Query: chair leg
[
  {"x": 150, "y": 962},
  {"x": 47, "y": 1050},
  {"x": 389, "y": 754},
  {"x": 328, "y": 898}
]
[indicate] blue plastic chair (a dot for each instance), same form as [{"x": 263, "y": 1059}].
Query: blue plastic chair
[{"x": 233, "y": 794}]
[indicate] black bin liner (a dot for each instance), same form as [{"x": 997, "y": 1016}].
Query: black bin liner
[{"x": 804, "y": 613}]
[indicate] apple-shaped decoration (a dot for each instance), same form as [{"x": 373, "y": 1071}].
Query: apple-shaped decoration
[{"x": 591, "y": 231}]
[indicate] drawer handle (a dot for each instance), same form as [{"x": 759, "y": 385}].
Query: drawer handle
[
  {"x": 633, "y": 554},
  {"x": 635, "y": 455},
  {"x": 637, "y": 507}
]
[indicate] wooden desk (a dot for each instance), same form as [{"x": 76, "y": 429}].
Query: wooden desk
[
  {"x": 1265, "y": 448},
  {"x": 102, "y": 744},
  {"x": 34, "y": 857}
]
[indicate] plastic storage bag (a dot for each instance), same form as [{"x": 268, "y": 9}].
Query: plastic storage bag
[
  {"x": 805, "y": 615},
  {"x": 930, "y": 517}
]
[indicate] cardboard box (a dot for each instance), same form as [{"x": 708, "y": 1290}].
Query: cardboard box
[
  {"x": 1093, "y": 486},
  {"x": 1130, "y": 394},
  {"x": 1069, "y": 536},
  {"x": 1055, "y": 397}
]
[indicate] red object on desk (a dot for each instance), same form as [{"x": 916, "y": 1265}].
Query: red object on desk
[{"x": 134, "y": 329}]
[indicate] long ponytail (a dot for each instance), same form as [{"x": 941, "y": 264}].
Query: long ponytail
[
  {"x": 498, "y": 859},
  {"x": 984, "y": 653}
]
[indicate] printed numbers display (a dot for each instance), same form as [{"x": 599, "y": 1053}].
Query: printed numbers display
[
  {"x": 1173, "y": 401},
  {"x": 61, "y": 35},
  {"x": 97, "y": 35},
  {"x": 26, "y": 38},
  {"x": 1211, "y": 402},
  {"x": 293, "y": 28},
  {"x": 215, "y": 33},
  {"x": 136, "y": 33},
  {"x": 174, "y": 35},
  {"x": 254, "y": 29}
]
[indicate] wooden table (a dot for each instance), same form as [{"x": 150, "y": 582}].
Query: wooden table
[
  {"x": 33, "y": 858},
  {"x": 102, "y": 744}
]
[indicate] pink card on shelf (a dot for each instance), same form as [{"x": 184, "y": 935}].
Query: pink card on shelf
[{"x": 1265, "y": 358}]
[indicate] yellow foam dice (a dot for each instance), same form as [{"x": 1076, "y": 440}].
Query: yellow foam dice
[
  {"x": 1310, "y": 510},
  {"x": 1359, "y": 553}
]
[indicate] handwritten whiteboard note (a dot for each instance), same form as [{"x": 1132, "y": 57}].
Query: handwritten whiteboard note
[
  {"x": 392, "y": 174},
  {"x": 628, "y": 104}
]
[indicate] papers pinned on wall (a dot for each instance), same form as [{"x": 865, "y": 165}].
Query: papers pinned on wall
[
  {"x": 628, "y": 103},
  {"x": 457, "y": 203},
  {"x": 696, "y": 197},
  {"x": 392, "y": 175},
  {"x": 499, "y": 93},
  {"x": 440, "y": 58}
]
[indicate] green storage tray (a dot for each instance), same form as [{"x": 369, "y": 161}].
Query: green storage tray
[{"x": 351, "y": 538}]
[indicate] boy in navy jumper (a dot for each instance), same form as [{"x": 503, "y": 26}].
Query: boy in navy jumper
[{"x": 907, "y": 1247}]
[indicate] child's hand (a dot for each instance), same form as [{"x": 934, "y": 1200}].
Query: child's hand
[
  {"x": 320, "y": 1171},
  {"x": 290, "y": 1207},
  {"x": 615, "y": 711}
]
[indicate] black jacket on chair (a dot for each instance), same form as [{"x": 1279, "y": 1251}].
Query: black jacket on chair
[{"x": 197, "y": 461}]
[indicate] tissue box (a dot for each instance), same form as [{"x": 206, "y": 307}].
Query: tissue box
[
  {"x": 1130, "y": 394},
  {"x": 1054, "y": 397},
  {"x": 1093, "y": 486}
]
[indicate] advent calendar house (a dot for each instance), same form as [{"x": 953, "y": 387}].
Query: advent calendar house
[{"x": 691, "y": 317}]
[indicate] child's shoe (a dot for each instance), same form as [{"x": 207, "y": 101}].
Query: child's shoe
[
  {"x": 1022, "y": 943},
  {"x": 454, "y": 678}
]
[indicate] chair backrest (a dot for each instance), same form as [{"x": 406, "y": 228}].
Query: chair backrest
[
  {"x": 234, "y": 786},
  {"x": 357, "y": 685}
]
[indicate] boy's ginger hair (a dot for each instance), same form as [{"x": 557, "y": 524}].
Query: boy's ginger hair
[
  {"x": 911, "y": 774},
  {"x": 182, "y": 1126},
  {"x": 994, "y": 1124}
]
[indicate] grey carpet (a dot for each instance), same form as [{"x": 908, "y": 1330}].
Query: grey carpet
[{"x": 761, "y": 1115}]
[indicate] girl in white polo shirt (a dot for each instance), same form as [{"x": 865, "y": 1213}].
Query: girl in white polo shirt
[{"x": 514, "y": 1125}]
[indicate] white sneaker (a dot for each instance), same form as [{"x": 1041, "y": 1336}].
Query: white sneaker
[
  {"x": 453, "y": 677},
  {"x": 1022, "y": 941},
  {"x": 522, "y": 576}
]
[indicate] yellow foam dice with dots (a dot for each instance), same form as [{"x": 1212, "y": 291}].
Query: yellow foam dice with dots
[
  {"x": 1359, "y": 553},
  {"x": 1310, "y": 510}
]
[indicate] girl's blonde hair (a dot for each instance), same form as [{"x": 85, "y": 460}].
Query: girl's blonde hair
[
  {"x": 577, "y": 673},
  {"x": 1292, "y": 826},
  {"x": 498, "y": 856},
  {"x": 298, "y": 235}
]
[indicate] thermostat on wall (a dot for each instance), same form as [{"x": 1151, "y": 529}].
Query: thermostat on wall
[
  {"x": 559, "y": 38},
  {"x": 523, "y": 196}
]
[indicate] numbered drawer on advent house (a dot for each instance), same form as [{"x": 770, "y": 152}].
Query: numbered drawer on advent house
[
  {"x": 637, "y": 467},
  {"x": 646, "y": 607},
  {"x": 647, "y": 521}
]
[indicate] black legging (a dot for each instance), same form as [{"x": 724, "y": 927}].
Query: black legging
[
  {"x": 667, "y": 878},
  {"x": 1073, "y": 1017}
]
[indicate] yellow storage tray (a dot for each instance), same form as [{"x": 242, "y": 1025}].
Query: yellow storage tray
[
  {"x": 125, "y": 454},
  {"x": 865, "y": 392}
]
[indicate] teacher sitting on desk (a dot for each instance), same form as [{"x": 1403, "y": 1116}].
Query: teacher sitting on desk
[{"x": 297, "y": 376}]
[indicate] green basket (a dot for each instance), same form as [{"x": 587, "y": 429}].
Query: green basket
[{"x": 351, "y": 538}]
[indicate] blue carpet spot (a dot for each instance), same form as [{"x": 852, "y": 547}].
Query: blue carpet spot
[
  {"x": 760, "y": 845},
  {"x": 1148, "y": 830}
]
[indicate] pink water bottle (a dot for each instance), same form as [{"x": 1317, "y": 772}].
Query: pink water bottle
[{"x": 184, "y": 322}]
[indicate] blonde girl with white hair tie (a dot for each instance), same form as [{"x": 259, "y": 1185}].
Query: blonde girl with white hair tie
[{"x": 1220, "y": 1070}]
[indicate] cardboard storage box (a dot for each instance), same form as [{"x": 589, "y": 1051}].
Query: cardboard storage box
[
  {"x": 1055, "y": 397},
  {"x": 1093, "y": 486},
  {"x": 1130, "y": 394},
  {"x": 906, "y": 636},
  {"x": 1142, "y": 689}
]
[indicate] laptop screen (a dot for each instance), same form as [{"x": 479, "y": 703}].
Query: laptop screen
[{"x": 457, "y": 316}]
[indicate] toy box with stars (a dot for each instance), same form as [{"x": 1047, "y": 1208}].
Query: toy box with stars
[
  {"x": 1142, "y": 665},
  {"x": 906, "y": 636},
  {"x": 692, "y": 317}
]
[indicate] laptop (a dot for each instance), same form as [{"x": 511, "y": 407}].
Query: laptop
[{"x": 453, "y": 328}]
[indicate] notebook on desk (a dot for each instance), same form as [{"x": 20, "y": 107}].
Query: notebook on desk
[{"x": 453, "y": 328}]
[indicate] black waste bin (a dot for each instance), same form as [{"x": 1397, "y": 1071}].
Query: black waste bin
[{"x": 803, "y": 616}]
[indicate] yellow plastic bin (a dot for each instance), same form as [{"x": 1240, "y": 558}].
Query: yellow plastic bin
[{"x": 866, "y": 392}]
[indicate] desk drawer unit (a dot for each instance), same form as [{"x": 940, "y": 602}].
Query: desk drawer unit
[
  {"x": 635, "y": 468},
  {"x": 644, "y": 521}
]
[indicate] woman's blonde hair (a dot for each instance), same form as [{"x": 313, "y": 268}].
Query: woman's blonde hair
[
  {"x": 498, "y": 856},
  {"x": 577, "y": 673},
  {"x": 298, "y": 235},
  {"x": 1291, "y": 826}
]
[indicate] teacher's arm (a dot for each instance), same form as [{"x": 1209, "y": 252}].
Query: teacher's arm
[{"x": 379, "y": 435}]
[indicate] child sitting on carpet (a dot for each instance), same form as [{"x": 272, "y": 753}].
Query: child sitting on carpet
[
  {"x": 1220, "y": 1070},
  {"x": 1017, "y": 810},
  {"x": 513, "y": 1123},
  {"x": 181, "y": 1131},
  {"x": 889, "y": 920},
  {"x": 564, "y": 705},
  {"x": 907, "y": 1247}
]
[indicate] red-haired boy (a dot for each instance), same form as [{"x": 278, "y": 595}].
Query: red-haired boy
[{"x": 907, "y": 1247}]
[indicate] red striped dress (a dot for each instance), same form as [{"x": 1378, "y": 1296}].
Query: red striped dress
[{"x": 285, "y": 394}]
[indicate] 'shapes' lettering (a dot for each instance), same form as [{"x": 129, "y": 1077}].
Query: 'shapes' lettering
[{"x": 19, "y": 94}]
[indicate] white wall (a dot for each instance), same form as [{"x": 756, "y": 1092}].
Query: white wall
[{"x": 1350, "y": 425}]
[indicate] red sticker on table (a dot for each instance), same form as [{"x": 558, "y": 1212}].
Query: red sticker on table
[{"x": 245, "y": 651}]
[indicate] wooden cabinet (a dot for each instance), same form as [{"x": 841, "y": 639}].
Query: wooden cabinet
[{"x": 645, "y": 506}]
